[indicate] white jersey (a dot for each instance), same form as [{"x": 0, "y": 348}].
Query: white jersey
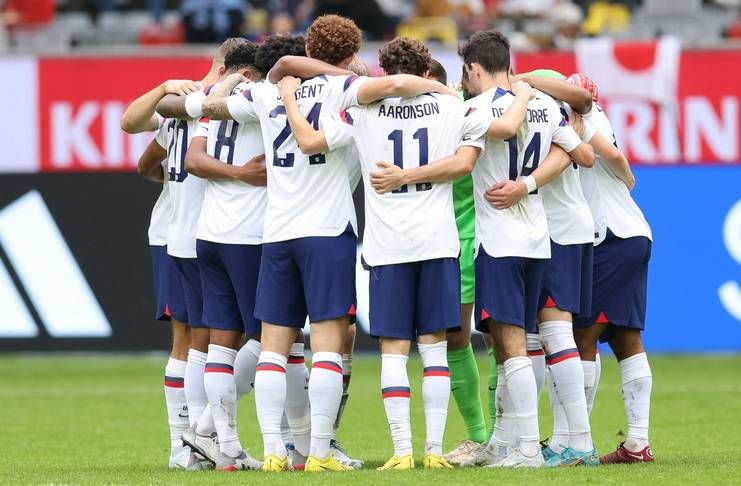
[
  {"x": 566, "y": 209},
  {"x": 415, "y": 222},
  {"x": 233, "y": 211},
  {"x": 308, "y": 195},
  {"x": 161, "y": 214},
  {"x": 186, "y": 190},
  {"x": 521, "y": 230},
  {"x": 608, "y": 196}
]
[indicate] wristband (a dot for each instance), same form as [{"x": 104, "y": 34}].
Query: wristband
[
  {"x": 194, "y": 103},
  {"x": 530, "y": 184}
]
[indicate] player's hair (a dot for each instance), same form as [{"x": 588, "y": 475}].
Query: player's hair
[
  {"x": 241, "y": 57},
  {"x": 332, "y": 39},
  {"x": 438, "y": 72},
  {"x": 228, "y": 46},
  {"x": 358, "y": 67},
  {"x": 489, "y": 48},
  {"x": 276, "y": 46},
  {"x": 404, "y": 56}
]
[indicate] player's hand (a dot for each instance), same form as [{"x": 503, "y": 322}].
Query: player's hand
[
  {"x": 254, "y": 171},
  {"x": 446, "y": 90},
  {"x": 181, "y": 87},
  {"x": 524, "y": 89},
  {"x": 387, "y": 178},
  {"x": 288, "y": 86},
  {"x": 577, "y": 122},
  {"x": 505, "y": 194}
]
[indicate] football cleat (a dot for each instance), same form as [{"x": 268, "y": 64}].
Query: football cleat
[
  {"x": 341, "y": 455},
  {"x": 486, "y": 456},
  {"x": 179, "y": 458},
  {"x": 624, "y": 456},
  {"x": 570, "y": 458},
  {"x": 329, "y": 463},
  {"x": 398, "y": 463},
  {"x": 464, "y": 452},
  {"x": 243, "y": 462},
  {"x": 205, "y": 445},
  {"x": 196, "y": 462},
  {"x": 275, "y": 463},
  {"x": 549, "y": 454},
  {"x": 516, "y": 459},
  {"x": 433, "y": 461},
  {"x": 295, "y": 459}
]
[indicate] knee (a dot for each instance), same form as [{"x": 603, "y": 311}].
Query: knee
[
  {"x": 457, "y": 340},
  {"x": 626, "y": 343}
]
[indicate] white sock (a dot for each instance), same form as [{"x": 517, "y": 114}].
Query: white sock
[
  {"x": 270, "y": 400},
  {"x": 566, "y": 371},
  {"x": 505, "y": 425},
  {"x": 245, "y": 365},
  {"x": 396, "y": 396},
  {"x": 637, "y": 381},
  {"x": 523, "y": 395},
  {"x": 560, "y": 436},
  {"x": 285, "y": 431},
  {"x": 537, "y": 357},
  {"x": 195, "y": 393},
  {"x": 221, "y": 390},
  {"x": 589, "y": 368},
  {"x": 325, "y": 393},
  {"x": 435, "y": 393},
  {"x": 298, "y": 410},
  {"x": 177, "y": 409},
  {"x": 346, "y": 375}
]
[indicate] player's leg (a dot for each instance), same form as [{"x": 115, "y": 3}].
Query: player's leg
[
  {"x": 435, "y": 396},
  {"x": 279, "y": 299},
  {"x": 391, "y": 292},
  {"x": 537, "y": 357},
  {"x": 327, "y": 267},
  {"x": 347, "y": 352},
  {"x": 492, "y": 378},
  {"x": 298, "y": 409}
]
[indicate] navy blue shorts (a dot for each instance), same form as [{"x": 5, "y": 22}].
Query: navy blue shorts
[
  {"x": 508, "y": 290},
  {"x": 185, "y": 297},
  {"x": 229, "y": 281},
  {"x": 162, "y": 270},
  {"x": 413, "y": 299},
  {"x": 568, "y": 278},
  {"x": 313, "y": 275},
  {"x": 620, "y": 282}
]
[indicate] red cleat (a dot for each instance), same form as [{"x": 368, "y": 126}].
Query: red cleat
[{"x": 624, "y": 456}]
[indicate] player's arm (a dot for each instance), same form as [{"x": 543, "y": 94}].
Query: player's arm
[
  {"x": 179, "y": 106},
  {"x": 139, "y": 115},
  {"x": 567, "y": 138},
  {"x": 506, "y": 126},
  {"x": 198, "y": 162},
  {"x": 450, "y": 168},
  {"x": 578, "y": 98},
  {"x": 614, "y": 158},
  {"x": 310, "y": 140},
  {"x": 215, "y": 106},
  {"x": 302, "y": 67},
  {"x": 403, "y": 85},
  {"x": 150, "y": 162},
  {"x": 505, "y": 194}
]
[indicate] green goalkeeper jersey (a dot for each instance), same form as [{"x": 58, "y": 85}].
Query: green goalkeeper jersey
[{"x": 465, "y": 214}]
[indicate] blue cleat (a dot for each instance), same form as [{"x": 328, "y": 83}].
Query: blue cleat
[
  {"x": 571, "y": 458},
  {"x": 549, "y": 454}
]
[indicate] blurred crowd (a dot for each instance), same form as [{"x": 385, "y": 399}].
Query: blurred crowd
[{"x": 530, "y": 24}]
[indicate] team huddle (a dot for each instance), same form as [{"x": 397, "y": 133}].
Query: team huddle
[{"x": 504, "y": 201}]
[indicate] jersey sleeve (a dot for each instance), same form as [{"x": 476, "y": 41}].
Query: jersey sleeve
[
  {"x": 161, "y": 137},
  {"x": 347, "y": 87},
  {"x": 160, "y": 120},
  {"x": 242, "y": 106},
  {"x": 476, "y": 124},
  {"x": 563, "y": 134},
  {"x": 202, "y": 129},
  {"x": 338, "y": 129}
]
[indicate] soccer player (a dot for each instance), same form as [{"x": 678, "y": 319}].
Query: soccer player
[
  {"x": 621, "y": 254},
  {"x": 309, "y": 242},
  {"x": 512, "y": 245},
  {"x": 408, "y": 268},
  {"x": 140, "y": 116}
]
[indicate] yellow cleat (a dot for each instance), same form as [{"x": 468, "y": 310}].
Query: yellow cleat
[
  {"x": 330, "y": 463},
  {"x": 399, "y": 463},
  {"x": 275, "y": 463},
  {"x": 432, "y": 461}
]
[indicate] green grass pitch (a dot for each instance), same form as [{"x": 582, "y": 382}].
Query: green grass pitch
[{"x": 79, "y": 419}]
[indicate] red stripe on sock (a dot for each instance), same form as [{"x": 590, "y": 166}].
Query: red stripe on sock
[
  {"x": 174, "y": 384},
  {"x": 437, "y": 373},
  {"x": 325, "y": 365},
  {"x": 536, "y": 352},
  {"x": 564, "y": 357},
  {"x": 270, "y": 367},
  {"x": 397, "y": 394},
  {"x": 218, "y": 370},
  {"x": 296, "y": 360}
]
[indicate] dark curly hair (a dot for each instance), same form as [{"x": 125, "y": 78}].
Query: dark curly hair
[
  {"x": 489, "y": 48},
  {"x": 276, "y": 46},
  {"x": 405, "y": 56},
  {"x": 241, "y": 56},
  {"x": 333, "y": 39}
]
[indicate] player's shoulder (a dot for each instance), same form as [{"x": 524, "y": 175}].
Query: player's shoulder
[{"x": 544, "y": 100}]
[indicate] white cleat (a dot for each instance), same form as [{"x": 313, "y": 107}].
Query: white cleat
[
  {"x": 243, "y": 462},
  {"x": 464, "y": 452},
  {"x": 195, "y": 462},
  {"x": 516, "y": 459},
  {"x": 342, "y": 457},
  {"x": 179, "y": 458},
  {"x": 487, "y": 456},
  {"x": 207, "y": 446}
]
